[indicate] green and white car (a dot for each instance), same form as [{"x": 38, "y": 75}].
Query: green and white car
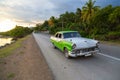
[{"x": 73, "y": 45}]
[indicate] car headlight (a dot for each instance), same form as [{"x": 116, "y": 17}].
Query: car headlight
[{"x": 74, "y": 46}]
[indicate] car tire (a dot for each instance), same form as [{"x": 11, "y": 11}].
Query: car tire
[
  {"x": 54, "y": 46},
  {"x": 66, "y": 53}
]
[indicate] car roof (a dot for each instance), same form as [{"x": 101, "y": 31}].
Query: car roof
[{"x": 66, "y": 31}]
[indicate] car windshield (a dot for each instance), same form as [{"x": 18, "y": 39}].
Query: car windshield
[{"x": 71, "y": 35}]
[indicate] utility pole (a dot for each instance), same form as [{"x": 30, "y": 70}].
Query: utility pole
[{"x": 62, "y": 24}]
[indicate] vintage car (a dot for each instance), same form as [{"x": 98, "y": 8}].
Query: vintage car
[{"x": 73, "y": 45}]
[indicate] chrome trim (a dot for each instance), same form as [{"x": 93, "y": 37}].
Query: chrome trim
[{"x": 85, "y": 51}]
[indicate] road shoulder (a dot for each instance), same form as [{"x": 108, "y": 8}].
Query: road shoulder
[{"x": 26, "y": 63}]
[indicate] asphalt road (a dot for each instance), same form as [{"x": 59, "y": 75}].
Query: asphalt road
[{"x": 102, "y": 66}]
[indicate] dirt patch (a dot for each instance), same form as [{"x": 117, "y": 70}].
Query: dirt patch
[{"x": 27, "y": 63}]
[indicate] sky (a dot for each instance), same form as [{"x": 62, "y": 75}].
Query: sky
[{"x": 30, "y": 12}]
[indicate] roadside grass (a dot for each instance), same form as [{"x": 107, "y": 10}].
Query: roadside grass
[
  {"x": 8, "y": 50},
  {"x": 11, "y": 75}
]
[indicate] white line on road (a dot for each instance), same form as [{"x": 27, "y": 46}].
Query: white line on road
[{"x": 109, "y": 56}]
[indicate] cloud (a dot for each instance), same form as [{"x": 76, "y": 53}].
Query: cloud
[
  {"x": 31, "y": 11},
  {"x": 26, "y": 10}
]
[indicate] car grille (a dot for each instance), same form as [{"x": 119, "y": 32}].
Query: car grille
[{"x": 84, "y": 50}]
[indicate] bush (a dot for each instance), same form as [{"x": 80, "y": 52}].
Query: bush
[
  {"x": 113, "y": 36},
  {"x": 83, "y": 33},
  {"x": 100, "y": 37}
]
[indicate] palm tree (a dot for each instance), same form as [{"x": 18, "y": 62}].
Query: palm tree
[
  {"x": 78, "y": 15},
  {"x": 89, "y": 10},
  {"x": 51, "y": 21}
]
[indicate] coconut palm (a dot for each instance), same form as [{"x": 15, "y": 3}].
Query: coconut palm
[{"x": 89, "y": 10}]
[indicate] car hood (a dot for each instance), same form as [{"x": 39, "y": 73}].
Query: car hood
[{"x": 82, "y": 42}]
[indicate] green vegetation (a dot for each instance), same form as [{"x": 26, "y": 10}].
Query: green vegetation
[
  {"x": 18, "y": 32},
  {"x": 6, "y": 51},
  {"x": 10, "y": 75},
  {"x": 91, "y": 21}
]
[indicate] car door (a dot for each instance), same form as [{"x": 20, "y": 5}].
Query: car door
[
  {"x": 60, "y": 40},
  {"x": 56, "y": 39}
]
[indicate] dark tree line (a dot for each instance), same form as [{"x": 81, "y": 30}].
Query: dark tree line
[{"x": 91, "y": 21}]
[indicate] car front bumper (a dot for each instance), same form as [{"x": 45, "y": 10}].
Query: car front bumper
[{"x": 72, "y": 54}]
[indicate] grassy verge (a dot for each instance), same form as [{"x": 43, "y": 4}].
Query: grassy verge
[
  {"x": 6, "y": 51},
  {"x": 11, "y": 75}
]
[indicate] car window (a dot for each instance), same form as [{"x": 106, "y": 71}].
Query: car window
[
  {"x": 57, "y": 35},
  {"x": 60, "y": 35},
  {"x": 71, "y": 34}
]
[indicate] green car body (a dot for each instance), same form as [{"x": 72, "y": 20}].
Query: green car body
[
  {"x": 61, "y": 43},
  {"x": 73, "y": 45}
]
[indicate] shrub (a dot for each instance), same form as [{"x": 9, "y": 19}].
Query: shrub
[
  {"x": 113, "y": 36},
  {"x": 100, "y": 37}
]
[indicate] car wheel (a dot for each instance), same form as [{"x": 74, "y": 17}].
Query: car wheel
[
  {"x": 54, "y": 46},
  {"x": 66, "y": 53}
]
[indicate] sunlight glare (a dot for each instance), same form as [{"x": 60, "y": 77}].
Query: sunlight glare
[{"x": 7, "y": 25}]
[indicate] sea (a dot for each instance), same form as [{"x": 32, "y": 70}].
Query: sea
[{"x": 4, "y": 41}]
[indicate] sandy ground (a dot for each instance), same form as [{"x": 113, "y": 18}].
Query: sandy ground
[{"x": 27, "y": 63}]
